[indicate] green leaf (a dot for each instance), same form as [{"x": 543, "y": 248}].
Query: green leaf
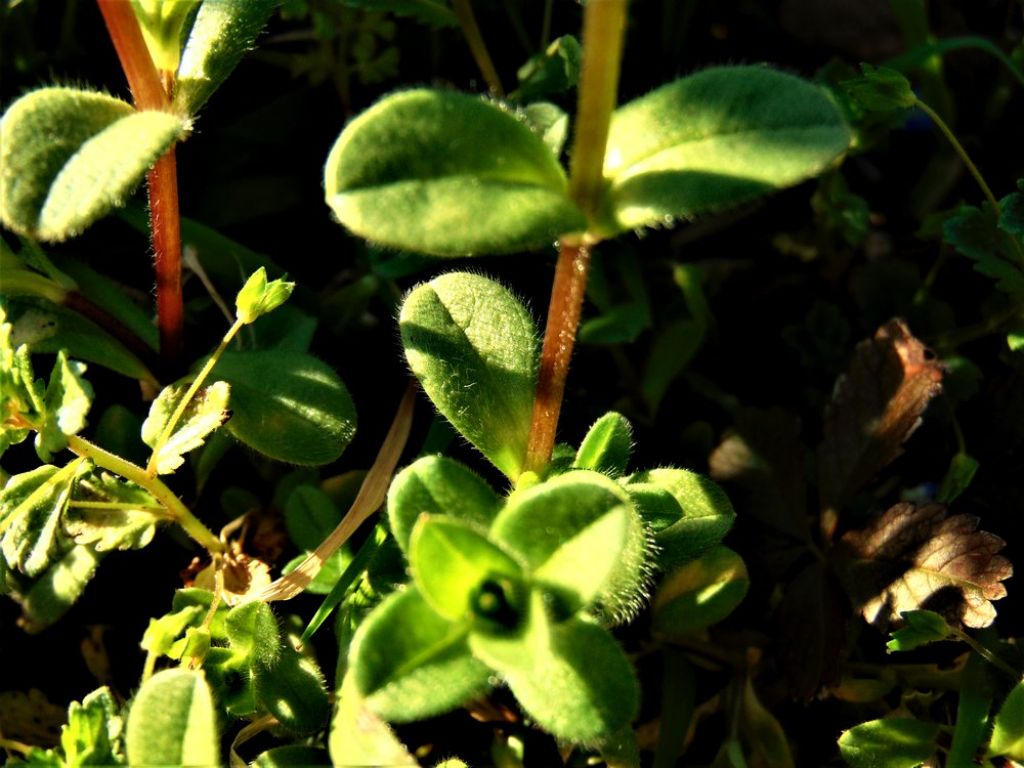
[
  {"x": 292, "y": 755},
  {"x": 714, "y": 139},
  {"x": 549, "y": 122},
  {"x": 700, "y": 593},
  {"x": 289, "y": 406},
  {"x": 309, "y": 516},
  {"x": 448, "y": 174},
  {"x": 436, "y": 485},
  {"x": 572, "y": 678},
  {"x": 358, "y": 736},
  {"x": 258, "y": 297},
  {"x": 205, "y": 412},
  {"x": 962, "y": 468},
  {"x": 922, "y": 628},
  {"x": 173, "y": 722},
  {"x": 93, "y": 732},
  {"x": 162, "y": 633},
  {"x": 972, "y": 711},
  {"x": 125, "y": 519},
  {"x": 162, "y": 23},
  {"x": 607, "y": 446},
  {"x": 579, "y": 534},
  {"x": 56, "y": 590},
  {"x": 221, "y": 34},
  {"x": 433, "y": 13},
  {"x": 410, "y": 663},
  {"x": 450, "y": 562},
  {"x": 31, "y": 506},
  {"x": 554, "y": 71},
  {"x": 973, "y": 233},
  {"x": 763, "y": 734},
  {"x": 880, "y": 89},
  {"x": 292, "y": 690},
  {"x": 1011, "y": 212},
  {"x": 473, "y": 347},
  {"x": 253, "y": 632},
  {"x": 707, "y": 514},
  {"x": 895, "y": 742},
  {"x": 70, "y": 156},
  {"x": 67, "y": 399},
  {"x": 1008, "y": 731}
]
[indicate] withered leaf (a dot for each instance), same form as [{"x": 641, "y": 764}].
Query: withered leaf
[
  {"x": 916, "y": 556},
  {"x": 875, "y": 407}
]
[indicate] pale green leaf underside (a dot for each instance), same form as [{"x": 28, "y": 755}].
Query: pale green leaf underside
[
  {"x": 450, "y": 175},
  {"x": 472, "y": 345},
  {"x": 173, "y": 722},
  {"x": 205, "y": 412},
  {"x": 714, "y": 139},
  {"x": 68, "y": 157}
]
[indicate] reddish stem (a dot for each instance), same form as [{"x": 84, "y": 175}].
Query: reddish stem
[
  {"x": 150, "y": 90},
  {"x": 567, "y": 294}
]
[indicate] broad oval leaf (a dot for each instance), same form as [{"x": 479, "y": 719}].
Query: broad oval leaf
[
  {"x": 287, "y": 405},
  {"x": 437, "y": 485},
  {"x": 173, "y": 722},
  {"x": 701, "y": 593},
  {"x": 473, "y": 347},
  {"x": 894, "y": 742},
  {"x": 292, "y": 690},
  {"x": 714, "y": 139},
  {"x": 410, "y": 663},
  {"x": 69, "y": 156},
  {"x": 448, "y": 174}
]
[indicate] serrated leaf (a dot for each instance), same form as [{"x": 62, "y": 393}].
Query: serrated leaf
[
  {"x": 1011, "y": 213},
  {"x": 473, "y": 347},
  {"x": 895, "y": 742},
  {"x": 51, "y": 594},
  {"x": 289, "y": 406},
  {"x": 974, "y": 233},
  {"x": 700, "y": 593},
  {"x": 448, "y": 174},
  {"x": 607, "y": 445},
  {"x": 717, "y": 138},
  {"x": 436, "y": 485},
  {"x": 31, "y": 506},
  {"x": 292, "y": 690},
  {"x": 70, "y": 156},
  {"x": 915, "y": 556},
  {"x": 880, "y": 89},
  {"x": 921, "y": 628},
  {"x": 410, "y": 663},
  {"x": 68, "y": 398},
  {"x": 875, "y": 407},
  {"x": 707, "y": 514},
  {"x": 450, "y": 560},
  {"x": 205, "y": 412},
  {"x": 93, "y": 733},
  {"x": 173, "y": 721},
  {"x": 1008, "y": 730},
  {"x": 124, "y": 518},
  {"x": 221, "y": 34},
  {"x": 259, "y": 297}
]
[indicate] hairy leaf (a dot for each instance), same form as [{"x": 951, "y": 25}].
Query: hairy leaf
[
  {"x": 717, "y": 138},
  {"x": 914, "y": 557},
  {"x": 173, "y": 721},
  {"x": 69, "y": 156},
  {"x": 700, "y": 593},
  {"x": 606, "y": 446},
  {"x": 205, "y": 412},
  {"x": 360, "y": 737},
  {"x": 108, "y": 513},
  {"x": 51, "y": 594},
  {"x": 31, "y": 507},
  {"x": 875, "y": 407},
  {"x": 895, "y": 742},
  {"x": 292, "y": 690},
  {"x": 473, "y": 347},
  {"x": 450, "y": 175},
  {"x": 880, "y": 89}
]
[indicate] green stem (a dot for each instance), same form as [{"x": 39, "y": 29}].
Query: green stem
[
  {"x": 604, "y": 23},
  {"x": 923, "y": 52},
  {"x": 471, "y": 31},
  {"x": 116, "y": 506},
  {"x": 197, "y": 382},
  {"x": 177, "y": 510},
  {"x": 988, "y": 655}
]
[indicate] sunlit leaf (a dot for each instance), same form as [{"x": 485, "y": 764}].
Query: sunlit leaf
[
  {"x": 921, "y": 628},
  {"x": 606, "y": 446},
  {"x": 700, "y": 593},
  {"x": 68, "y": 398},
  {"x": 109, "y": 513},
  {"x": 292, "y": 690},
  {"x": 895, "y": 742},
  {"x": 31, "y": 506},
  {"x": 360, "y": 737},
  {"x": 259, "y": 297},
  {"x": 54, "y": 591},
  {"x": 1008, "y": 731},
  {"x": 205, "y": 412},
  {"x": 173, "y": 722}
]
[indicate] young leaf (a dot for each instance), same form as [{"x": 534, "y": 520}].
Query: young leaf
[
  {"x": 258, "y": 297},
  {"x": 549, "y": 122},
  {"x": 895, "y": 742},
  {"x": 289, "y": 406},
  {"x": 448, "y": 174},
  {"x": 450, "y": 562},
  {"x": 707, "y": 514},
  {"x": 70, "y": 156},
  {"x": 410, "y": 663},
  {"x": 473, "y": 347},
  {"x": 436, "y": 485},
  {"x": 205, "y": 412},
  {"x": 701, "y": 593},
  {"x": 51, "y": 594},
  {"x": 962, "y": 469},
  {"x": 162, "y": 23},
  {"x": 1008, "y": 732},
  {"x": 162, "y": 633},
  {"x": 31, "y": 506},
  {"x": 551, "y": 72},
  {"x": 875, "y": 407},
  {"x": 68, "y": 398},
  {"x": 975, "y": 234},
  {"x": 915, "y": 556},
  {"x": 93, "y": 733},
  {"x": 922, "y": 628},
  {"x": 880, "y": 89},
  {"x": 714, "y": 139},
  {"x": 221, "y": 34},
  {"x": 173, "y": 721},
  {"x": 607, "y": 446}
]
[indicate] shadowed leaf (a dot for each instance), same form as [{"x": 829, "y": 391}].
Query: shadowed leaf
[{"x": 913, "y": 557}]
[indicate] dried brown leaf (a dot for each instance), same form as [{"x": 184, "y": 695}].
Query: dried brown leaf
[
  {"x": 914, "y": 557},
  {"x": 875, "y": 407}
]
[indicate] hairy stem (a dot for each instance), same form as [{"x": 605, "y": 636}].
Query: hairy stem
[
  {"x": 604, "y": 23},
  {"x": 176, "y": 509},
  {"x": 471, "y": 31}
]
